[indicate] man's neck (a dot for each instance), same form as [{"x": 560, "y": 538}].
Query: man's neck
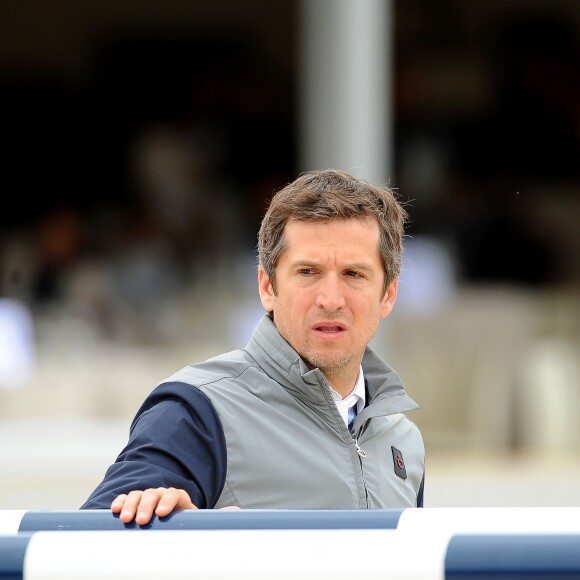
[
  {"x": 341, "y": 382},
  {"x": 342, "y": 389},
  {"x": 354, "y": 397}
]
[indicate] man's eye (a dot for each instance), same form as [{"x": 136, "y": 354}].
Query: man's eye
[
  {"x": 353, "y": 274},
  {"x": 306, "y": 271}
]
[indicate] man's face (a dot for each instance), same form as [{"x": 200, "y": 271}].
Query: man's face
[{"x": 329, "y": 294}]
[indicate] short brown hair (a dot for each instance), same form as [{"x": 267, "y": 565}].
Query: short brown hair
[{"x": 328, "y": 195}]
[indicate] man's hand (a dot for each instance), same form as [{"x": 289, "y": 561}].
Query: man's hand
[{"x": 141, "y": 505}]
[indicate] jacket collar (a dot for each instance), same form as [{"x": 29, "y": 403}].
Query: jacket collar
[{"x": 280, "y": 361}]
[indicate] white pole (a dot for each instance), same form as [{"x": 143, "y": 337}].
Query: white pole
[{"x": 345, "y": 87}]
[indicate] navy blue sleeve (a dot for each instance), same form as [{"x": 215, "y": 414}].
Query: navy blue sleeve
[{"x": 176, "y": 440}]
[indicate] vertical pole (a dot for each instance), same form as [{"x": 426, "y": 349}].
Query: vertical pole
[{"x": 345, "y": 118}]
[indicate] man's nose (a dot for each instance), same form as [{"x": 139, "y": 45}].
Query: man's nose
[{"x": 330, "y": 294}]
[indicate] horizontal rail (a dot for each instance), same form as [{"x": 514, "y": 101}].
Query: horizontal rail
[
  {"x": 450, "y": 520},
  {"x": 287, "y": 553},
  {"x": 49, "y": 520}
]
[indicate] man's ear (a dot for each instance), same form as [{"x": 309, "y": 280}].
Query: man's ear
[
  {"x": 389, "y": 298},
  {"x": 266, "y": 290}
]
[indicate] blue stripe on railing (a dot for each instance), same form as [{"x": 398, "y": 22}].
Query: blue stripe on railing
[
  {"x": 12, "y": 553},
  {"x": 529, "y": 556},
  {"x": 215, "y": 519}
]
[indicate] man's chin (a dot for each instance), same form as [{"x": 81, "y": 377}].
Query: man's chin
[{"x": 328, "y": 363}]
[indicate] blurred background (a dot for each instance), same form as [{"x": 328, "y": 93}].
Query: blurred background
[{"x": 141, "y": 142}]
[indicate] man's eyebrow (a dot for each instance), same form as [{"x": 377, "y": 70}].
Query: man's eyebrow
[
  {"x": 299, "y": 263},
  {"x": 359, "y": 266},
  {"x": 362, "y": 266}
]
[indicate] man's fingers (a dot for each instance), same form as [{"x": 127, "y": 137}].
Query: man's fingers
[
  {"x": 118, "y": 502},
  {"x": 147, "y": 505},
  {"x": 127, "y": 505},
  {"x": 173, "y": 499},
  {"x": 141, "y": 505}
]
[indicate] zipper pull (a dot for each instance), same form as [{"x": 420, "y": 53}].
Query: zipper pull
[{"x": 360, "y": 451}]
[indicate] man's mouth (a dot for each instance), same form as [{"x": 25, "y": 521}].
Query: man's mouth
[{"x": 331, "y": 328}]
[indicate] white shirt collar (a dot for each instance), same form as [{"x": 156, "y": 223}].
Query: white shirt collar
[{"x": 355, "y": 397}]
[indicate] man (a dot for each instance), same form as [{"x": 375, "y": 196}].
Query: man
[{"x": 306, "y": 416}]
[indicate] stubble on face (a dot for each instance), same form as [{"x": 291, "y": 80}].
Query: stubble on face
[
  {"x": 336, "y": 369},
  {"x": 337, "y": 366}
]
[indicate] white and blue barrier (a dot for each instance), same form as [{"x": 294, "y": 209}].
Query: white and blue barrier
[
  {"x": 450, "y": 520},
  {"x": 425, "y": 543},
  {"x": 287, "y": 554},
  {"x": 17, "y": 521}
]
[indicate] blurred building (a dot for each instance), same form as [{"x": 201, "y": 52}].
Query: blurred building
[{"x": 142, "y": 141}]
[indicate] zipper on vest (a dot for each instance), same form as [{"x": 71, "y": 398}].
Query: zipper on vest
[{"x": 362, "y": 453}]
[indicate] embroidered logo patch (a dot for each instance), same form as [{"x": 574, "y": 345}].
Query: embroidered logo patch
[{"x": 399, "y": 463}]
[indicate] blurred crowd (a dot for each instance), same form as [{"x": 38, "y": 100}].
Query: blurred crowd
[{"x": 137, "y": 191}]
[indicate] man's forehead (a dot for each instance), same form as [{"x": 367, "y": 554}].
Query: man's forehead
[
  {"x": 322, "y": 225},
  {"x": 310, "y": 241}
]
